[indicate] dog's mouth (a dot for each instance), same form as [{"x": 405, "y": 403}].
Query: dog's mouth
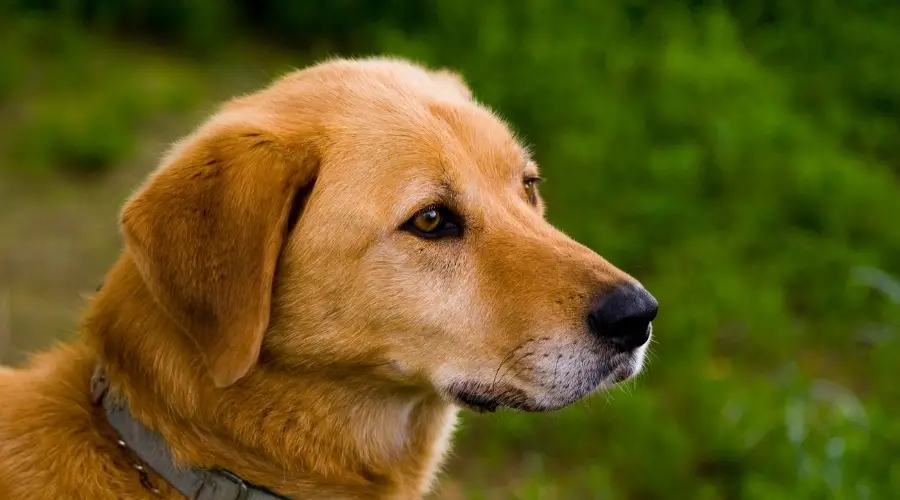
[
  {"x": 488, "y": 398},
  {"x": 477, "y": 402},
  {"x": 483, "y": 399}
]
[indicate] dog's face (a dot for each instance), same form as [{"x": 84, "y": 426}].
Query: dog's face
[{"x": 409, "y": 239}]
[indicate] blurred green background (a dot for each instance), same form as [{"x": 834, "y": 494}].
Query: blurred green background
[{"x": 739, "y": 157}]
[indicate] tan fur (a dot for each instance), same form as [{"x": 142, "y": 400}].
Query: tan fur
[{"x": 268, "y": 316}]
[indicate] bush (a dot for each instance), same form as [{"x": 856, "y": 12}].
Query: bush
[
  {"x": 740, "y": 158},
  {"x": 76, "y": 104}
]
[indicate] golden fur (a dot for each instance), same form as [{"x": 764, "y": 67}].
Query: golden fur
[{"x": 267, "y": 315}]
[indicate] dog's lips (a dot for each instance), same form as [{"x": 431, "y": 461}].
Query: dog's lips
[
  {"x": 480, "y": 399},
  {"x": 619, "y": 374},
  {"x": 624, "y": 368},
  {"x": 484, "y": 398},
  {"x": 609, "y": 371},
  {"x": 477, "y": 402}
]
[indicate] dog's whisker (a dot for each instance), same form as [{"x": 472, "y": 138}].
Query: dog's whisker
[
  {"x": 505, "y": 359},
  {"x": 513, "y": 365}
]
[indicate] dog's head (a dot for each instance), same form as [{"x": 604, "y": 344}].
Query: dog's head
[{"x": 369, "y": 217}]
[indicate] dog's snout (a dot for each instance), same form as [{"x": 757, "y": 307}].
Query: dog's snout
[{"x": 623, "y": 317}]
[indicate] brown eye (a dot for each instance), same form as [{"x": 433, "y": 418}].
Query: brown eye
[
  {"x": 434, "y": 222},
  {"x": 427, "y": 221},
  {"x": 531, "y": 189}
]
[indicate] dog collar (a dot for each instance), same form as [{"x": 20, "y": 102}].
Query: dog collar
[{"x": 152, "y": 450}]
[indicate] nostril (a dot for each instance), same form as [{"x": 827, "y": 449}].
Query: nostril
[{"x": 623, "y": 317}]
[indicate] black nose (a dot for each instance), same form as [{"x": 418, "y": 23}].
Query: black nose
[{"x": 623, "y": 317}]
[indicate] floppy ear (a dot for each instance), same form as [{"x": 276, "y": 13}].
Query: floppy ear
[{"x": 206, "y": 231}]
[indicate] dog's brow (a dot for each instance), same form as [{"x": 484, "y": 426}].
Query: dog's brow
[
  {"x": 526, "y": 153},
  {"x": 420, "y": 194},
  {"x": 445, "y": 194}
]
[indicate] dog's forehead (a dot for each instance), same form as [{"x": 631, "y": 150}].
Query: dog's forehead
[
  {"x": 433, "y": 141},
  {"x": 396, "y": 114},
  {"x": 393, "y": 162},
  {"x": 485, "y": 140},
  {"x": 449, "y": 153},
  {"x": 398, "y": 139}
]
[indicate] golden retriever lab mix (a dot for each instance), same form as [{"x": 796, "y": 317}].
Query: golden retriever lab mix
[{"x": 312, "y": 284}]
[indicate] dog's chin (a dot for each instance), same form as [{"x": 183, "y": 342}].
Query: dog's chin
[{"x": 488, "y": 398}]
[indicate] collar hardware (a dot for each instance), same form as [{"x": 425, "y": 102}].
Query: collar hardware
[
  {"x": 153, "y": 453},
  {"x": 243, "y": 490}
]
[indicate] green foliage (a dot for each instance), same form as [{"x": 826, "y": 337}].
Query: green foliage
[
  {"x": 74, "y": 104},
  {"x": 740, "y": 158}
]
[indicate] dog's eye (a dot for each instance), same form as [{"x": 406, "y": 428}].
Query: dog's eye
[
  {"x": 531, "y": 188},
  {"x": 433, "y": 222},
  {"x": 428, "y": 220}
]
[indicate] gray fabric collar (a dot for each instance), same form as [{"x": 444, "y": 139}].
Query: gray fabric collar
[{"x": 151, "y": 448}]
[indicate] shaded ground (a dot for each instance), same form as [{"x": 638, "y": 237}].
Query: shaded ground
[{"x": 58, "y": 240}]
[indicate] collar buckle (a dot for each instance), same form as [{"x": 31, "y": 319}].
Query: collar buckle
[{"x": 243, "y": 492}]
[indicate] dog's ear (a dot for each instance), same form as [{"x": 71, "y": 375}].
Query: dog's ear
[
  {"x": 453, "y": 80},
  {"x": 206, "y": 231}
]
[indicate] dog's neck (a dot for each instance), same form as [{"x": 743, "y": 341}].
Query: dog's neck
[{"x": 294, "y": 432}]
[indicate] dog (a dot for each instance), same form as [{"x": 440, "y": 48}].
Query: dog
[{"x": 312, "y": 285}]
